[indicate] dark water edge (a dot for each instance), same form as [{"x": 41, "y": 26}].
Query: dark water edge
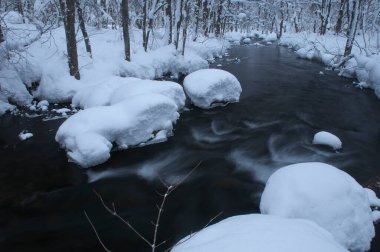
[{"x": 285, "y": 101}]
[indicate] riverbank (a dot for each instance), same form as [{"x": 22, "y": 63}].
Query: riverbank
[{"x": 39, "y": 71}]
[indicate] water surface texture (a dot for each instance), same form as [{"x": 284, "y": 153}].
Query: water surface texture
[{"x": 285, "y": 101}]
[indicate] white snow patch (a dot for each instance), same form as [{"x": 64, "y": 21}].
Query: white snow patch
[
  {"x": 88, "y": 135},
  {"x": 209, "y": 88},
  {"x": 261, "y": 233},
  {"x": 323, "y": 194},
  {"x": 24, "y": 135},
  {"x": 326, "y": 138}
]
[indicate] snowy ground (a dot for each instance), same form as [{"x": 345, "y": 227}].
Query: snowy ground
[{"x": 44, "y": 62}]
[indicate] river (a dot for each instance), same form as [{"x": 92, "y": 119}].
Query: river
[{"x": 285, "y": 101}]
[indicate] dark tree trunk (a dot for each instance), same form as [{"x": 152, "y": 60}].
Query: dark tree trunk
[
  {"x": 339, "y": 22},
  {"x": 219, "y": 18},
  {"x": 1, "y": 35},
  {"x": 83, "y": 28},
  {"x": 206, "y": 13},
  {"x": 187, "y": 19},
  {"x": 169, "y": 16},
  {"x": 72, "y": 54},
  {"x": 179, "y": 23},
  {"x": 352, "y": 28},
  {"x": 125, "y": 20},
  {"x": 197, "y": 11},
  {"x": 145, "y": 11}
]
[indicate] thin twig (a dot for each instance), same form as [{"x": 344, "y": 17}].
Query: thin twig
[{"x": 96, "y": 232}]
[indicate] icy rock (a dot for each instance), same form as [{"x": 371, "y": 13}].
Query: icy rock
[
  {"x": 326, "y": 138},
  {"x": 25, "y": 135},
  {"x": 209, "y": 88},
  {"x": 323, "y": 194},
  {"x": 88, "y": 135},
  {"x": 261, "y": 233}
]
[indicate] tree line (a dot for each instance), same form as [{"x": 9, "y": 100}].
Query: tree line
[{"x": 182, "y": 20}]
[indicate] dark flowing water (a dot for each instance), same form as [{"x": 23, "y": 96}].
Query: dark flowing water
[{"x": 285, "y": 101}]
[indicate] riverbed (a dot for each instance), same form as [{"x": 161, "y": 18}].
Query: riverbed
[{"x": 285, "y": 101}]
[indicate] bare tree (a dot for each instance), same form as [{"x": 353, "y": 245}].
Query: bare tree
[
  {"x": 169, "y": 21},
  {"x": 82, "y": 26},
  {"x": 68, "y": 13},
  {"x": 352, "y": 28},
  {"x": 125, "y": 18},
  {"x": 1, "y": 34}
]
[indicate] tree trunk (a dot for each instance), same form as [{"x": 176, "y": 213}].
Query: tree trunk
[
  {"x": 169, "y": 21},
  {"x": 187, "y": 19},
  {"x": 125, "y": 20},
  {"x": 83, "y": 28},
  {"x": 179, "y": 18},
  {"x": 197, "y": 11},
  {"x": 339, "y": 21},
  {"x": 145, "y": 11},
  {"x": 72, "y": 54},
  {"x": 1, "y": 35},
  {"x": 352, "y": 28},
  {"x": 218, "y": 18},
  {"x": 206, "y": 13}
]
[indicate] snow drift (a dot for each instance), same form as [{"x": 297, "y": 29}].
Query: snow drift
[
  {"x": 325, "y": 195},
  {"x": 209, "y": 88},
  {"x": 261, "y": 233},
  {"x": 88, "y": 136}
]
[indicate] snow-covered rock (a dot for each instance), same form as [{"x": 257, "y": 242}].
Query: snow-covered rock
[
  {"x": 25, "y": 135},
  {"x": 13, "y": 89},
  {"x": 246, "y": 41},
  {"x": 260, "y": 233},
  {"x": 88, "y": 135},
  {"x": 118, "y": 89},
  {"x": 209, "y": 88},
  {"x": 323, "y": 194},
  {"x": 326, "y": 138}
]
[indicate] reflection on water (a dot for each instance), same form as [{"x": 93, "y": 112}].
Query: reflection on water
[{"x": 285, "y": 101}]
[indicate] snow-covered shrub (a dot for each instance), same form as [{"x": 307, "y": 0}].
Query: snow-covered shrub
[{"x": 323, "y": 194}]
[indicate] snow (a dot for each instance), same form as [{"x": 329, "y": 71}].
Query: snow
[
  {"x": 323, "y": 194},
  {"x": 88, "y": 135},
  {"x": 326, "y": 138},
  {"x": 329, "y": 50},
  {"x": 261, "y": 233},
  {"x": 209, "y": 88},
  {"x": 117, "y": 89},
  {"x": 24, "y": 135},
  {"x": 12, "y": 88}
]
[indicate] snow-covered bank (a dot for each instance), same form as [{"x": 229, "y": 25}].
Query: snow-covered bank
[
  {"x": 44, "y": 61},
  {"x": 261, "y": 233},
  {"x": 329, "y": 49}
]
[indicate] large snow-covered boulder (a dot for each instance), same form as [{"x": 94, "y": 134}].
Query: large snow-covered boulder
[
  {"x": 209, "y": 88},
  {"x": 88, "y": 135},
  {"x": 326, "y": 138},
  {"x": 323, "y": 194},
  {"x": 118, "y": 89},
  {"x": 260, "y": 233}
]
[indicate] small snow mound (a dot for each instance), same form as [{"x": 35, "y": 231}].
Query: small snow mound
[
  {"x": 25, "y": 135},
  {"x": 209, "y": 88},
  {"x": 323, "y": 194},
  {"x": 326, "y": 138},
  {"x": 261, "y": 233},
  {"x": 12, "y": 17},
  {"x": 88, "y": 135},
  {"x": 246, "y": 41}
]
